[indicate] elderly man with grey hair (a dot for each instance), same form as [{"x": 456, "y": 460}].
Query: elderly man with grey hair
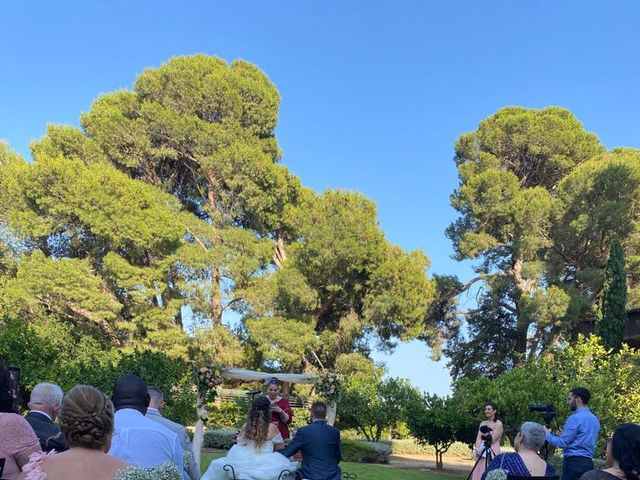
[
  {"x": 526, "y": 461},
  {"x": 154, "y": 412},
  {"x": 44, "y": 404}
]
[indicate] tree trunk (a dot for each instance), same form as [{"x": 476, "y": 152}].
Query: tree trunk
[
  {"x": 216, "y": 293},
  {"x": 216, "y": 296},
  {"x": 280, "y": 255},
  {"x": 523, "y": 287}
]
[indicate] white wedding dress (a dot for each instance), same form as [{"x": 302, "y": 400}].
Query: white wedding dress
[{"x": 251, "y": 463}]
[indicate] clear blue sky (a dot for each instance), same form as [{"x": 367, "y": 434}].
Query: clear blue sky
[{"x": 373, "y": 93}]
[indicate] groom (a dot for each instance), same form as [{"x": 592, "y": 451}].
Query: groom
[{"x": 320, "y": 445}]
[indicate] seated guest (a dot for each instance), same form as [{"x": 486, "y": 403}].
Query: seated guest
[
  {"x": 154, "y": 412},
  {"x": 86, "y": 416},
  {"x": 623, "y": 456},
  {"x": 137, "y": 439},
  {"x": 44, "y": 404},
  {"x": 320, "y": 446},
  {"x": 17, "y": 438},
  {"x": 525, "y": 462}
]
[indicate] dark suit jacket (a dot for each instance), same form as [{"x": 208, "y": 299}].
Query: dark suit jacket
[
  {"x": 47, "y": 432},
  {"x": 321, "y": 452}
]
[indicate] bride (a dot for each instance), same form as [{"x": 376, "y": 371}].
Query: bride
[{"x": 253, "y": 457}]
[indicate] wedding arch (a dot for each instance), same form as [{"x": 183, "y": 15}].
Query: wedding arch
[{"x": 250, "y": 376}]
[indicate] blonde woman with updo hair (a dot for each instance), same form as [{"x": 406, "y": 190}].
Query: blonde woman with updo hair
[{"x": 86, "y": 419}]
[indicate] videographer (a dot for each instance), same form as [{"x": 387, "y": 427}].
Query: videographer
[
  {"x": 578, "y": 437},
  {"x": 487, "y": 444}
]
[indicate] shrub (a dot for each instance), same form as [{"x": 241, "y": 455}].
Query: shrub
[
  {"x": 36, "y": 346},
  {"x": 365, "y": 452},
  {"x": 410, "y": 446},
  {"x": 300, "y": 418},
  {"x": 227, "y": 415},
  {"x": 556, "y": 462},
  {"x": 221, "y": 438}
]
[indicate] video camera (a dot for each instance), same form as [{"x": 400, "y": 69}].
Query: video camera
[
  {"x": 485, "y": 435},
  {"x": 547, "y": 409}
]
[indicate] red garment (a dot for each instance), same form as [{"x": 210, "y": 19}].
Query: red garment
[{"x": 283, "y": 403}]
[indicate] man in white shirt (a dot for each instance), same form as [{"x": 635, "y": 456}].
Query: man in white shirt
[
  {"x": 154, "y": 412},
  {"x": 137, "y": 439}
]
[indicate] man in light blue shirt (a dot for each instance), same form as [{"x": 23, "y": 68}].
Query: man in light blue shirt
[
  {"x": 137, "y": 439},
  {"x": 578, "y": 437}
]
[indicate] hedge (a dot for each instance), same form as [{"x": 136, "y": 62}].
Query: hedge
[
  {"x": 221, "y": 438},
  {"x": 365, "y": 452}
]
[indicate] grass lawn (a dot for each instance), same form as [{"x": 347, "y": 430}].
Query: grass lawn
[{"x": 368, "y": 471}]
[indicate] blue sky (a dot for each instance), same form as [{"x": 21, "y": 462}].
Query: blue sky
[{"x": 374, "y": 94}]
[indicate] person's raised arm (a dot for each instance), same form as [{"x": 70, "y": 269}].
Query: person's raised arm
[{"x": 567, "y": 436}]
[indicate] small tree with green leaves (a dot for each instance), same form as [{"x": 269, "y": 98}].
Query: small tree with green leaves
[
  {"x": 434, "y": 421},
  {"x": 373, "y": 406}
]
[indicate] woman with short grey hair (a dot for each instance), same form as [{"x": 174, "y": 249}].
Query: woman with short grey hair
[
  {"x": 525, "y": 462},
  {"x": 533, "y": 435}
]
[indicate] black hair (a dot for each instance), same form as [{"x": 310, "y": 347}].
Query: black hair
[
  {"x": 130, "y": 391},
  {"x": 583, "y": 393},
  {"x": 319, "y": 410},
  {"x": 625, "y": 448}
]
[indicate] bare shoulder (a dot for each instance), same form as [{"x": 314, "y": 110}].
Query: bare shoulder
[
  {"x": 273, "y": 429},
  {"x": 58, "y": 465}
]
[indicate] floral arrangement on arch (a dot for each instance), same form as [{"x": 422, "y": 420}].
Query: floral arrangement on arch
[
  {"x": 208, "y": 378},
  {"x": 329, "y": 386}
]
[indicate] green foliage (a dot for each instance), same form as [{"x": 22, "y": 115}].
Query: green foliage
[
  {"x": 436, "y": 421},
  {"x": 222, "y": 438},
  {"x": 487, "y": 348},
  {"x": 217, "y": 343},
  {"x": 342, "y": 280},
  {"x": 410, "y": 446},
  {"x": 371, "y": 405},
  {"x": 171, "y": 200},
  {"x": 365, "y": 452},
  {"x": 228, "y": 415},
  {"x": 399, "y": 295},
  {"x": 512, "y": 391},
  {"x": 614, "y": 300},
  {"x": 357, "y": 365},
  {"x": 38, "y": 345},
  {"x": 539, "y": 202},
  {"x": 611, "y": 377},
  {"x": 203, "y": 130},
  {"x": 282, "y": 341}
]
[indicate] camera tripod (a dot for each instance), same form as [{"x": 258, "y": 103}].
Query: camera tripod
[{"x": 486, "y": 454}]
